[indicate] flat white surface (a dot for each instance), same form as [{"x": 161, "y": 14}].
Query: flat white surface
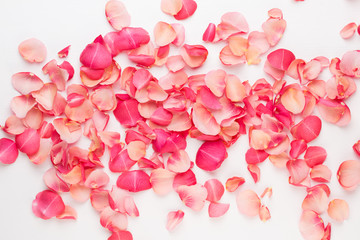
[{"x": 313, "y": 30}]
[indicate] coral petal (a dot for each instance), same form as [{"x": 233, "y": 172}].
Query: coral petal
[
  {"x": 117, "y": 14},
  {"x": 338, "y": 210},
  {"x": 233, "y": 183},
  {"x": 281, "y": 59},
  {"x": 215, "y": 190},
  {"x": 171, "y": 7},
  {"x": 28, "y": 142},
  {"x": 32, "y": 50},
  {"x": 164, "y": 34},
  {"x": 188, "y": 9},
  {"x": 348, "y": 174},
  {"x": 26, "y": 82},
  {"x": 348, "y": 30},
  {"x": 248, "y": 203}
]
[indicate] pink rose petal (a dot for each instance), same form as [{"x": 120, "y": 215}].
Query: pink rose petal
[
  {"x": 193, "y": 196},
  {"x": 32, "y": 50},
  {"x": 117, "y": 14},
  {"x": 348, "y": 174},
  {"x": 215, "y": 190},
  {"x": 248, "y": 203},
  {"x": 348, "y": 30},
  {"x": 338, "y": 210},
  {"x": 164, "y": 34},
  {"x": 134, "y": 181},
  {"x": 311, "y": 225},
  {"x": 281, "y": 59},
  {"x": 188, "y": 9},
  {"x": 28, "y": 142},
  {"x": 26, "y": 82},
  {"x": 8, "y": 151},
  {"x": 173, "y": 219},
  {"x": 211, "y": 155},
  {"x": 48, "y": 204},
  {"x": 218, "y": 209},
  {"x": 171, "y": 7}
]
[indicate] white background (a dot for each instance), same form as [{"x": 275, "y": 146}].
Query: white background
[{"x": 313, "y": 30}]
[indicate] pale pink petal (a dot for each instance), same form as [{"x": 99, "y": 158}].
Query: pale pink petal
[
  {"x": 156, "y": 93},
  {"x": 164, "y": 34},
  {"x": 253, "y": 156},
  {"x": 69, "y": 131},
  {"x": 175, "y": 63},
  {"x": 277, "y": 74},
  {"x": 211, "y": 155},
  {"x": 103, "y": 98},
  {"x": 316, "y": 200},
  {"x": 348, "y": 30},
  {"x": 209, "y": 34},
  {"x": 254, "y": 172},
  {"x": 26, "y": 82},
  {"x": 253, "y": 55},
  {"x": 312, "y": 69},
  {"x": 74, "y": 176},
  {"x": 308, "y": 129},
  {"x": 121, "y": 235},
  {"x": 8, "y": 151},
  {"x": 248, "y": 203},
  {"x": 32, "y": 50},
  {"x": 320, "y": 173},
  {"x": 57, "y": 75},
  {"x": 356, "y": 147},
  {"x": 64, "y": 52},
  {"x": 28, "y": 142},
  {"x": 43, "y": 153},
  {"x": 46, "y": 96},
  {"x": 117, "y": 14},
  {"x": 218, "y": 209},
  {"x": 188, "y": 9},
  {"x": 350, "y": 63},
  {"x": 206, "y": 97},
  {"x": 141, "y": 78},
  {"x": 311, "y": 225},
  {"x": 69, "y": 213},
  {"x": 171, "y": 7},
  {"x": 96, "y": 56},
  {"x": 348, "y": 174},
  {"x": 180, "y": 122},
  {"x": 180, "y": 34},
  {"x": 112, "y": 220},
  {"x": 315, "y": 155},
  {"x": 233, "y": 183},
  {"x": 21, "y": 105},
  {"x": 81, "y": 113},
  {"x": 228, "y": 58},
  {"x": 216, "y": 80},
  {"x": 192, "y": 196},
  {"x": 162, "y": 180},
  {"x": 259, "y": 40},
  {"x": 48, "y": 204},
  {"x": 298, "y": 170},
  {"x": 136, "y": 150},
  {"x": 204, "y": 121},
  {"x": 99, "y": 199},
  {"x": 234, "y": 89},
  {"x": 80, "y": 192},
  {"x": 127, "y": 112},
  {"x": 293, "y": 100},
  {"x": 109, "y": 138},
  {"x": 96, "y": 179},
  {"x": 317, "y": 87},
  {"x": 215, "y": 190},
  {"x": 259, "y": 139},
  {"x": 173, "y": 219},
  {"x": 264, "y": 213},
  {"x": 279, "y": 160},
  {"x": 130, "y": 207},
  {"x": 274, "y": 30},
  {"x": 134, "y": 181},
  {"x": 281, "y": 59},
  {"x": 338, "y": 210},
  {"x": 161, "y": 117},
  {"x": 53, "y": 181},
  {"x": 275, "y": 13},
  {"x": 34, "y": 119},
  {"x": 331, "y": 110},
  {"x": 231, "y": 23},
  {"x": 178, "y": 162},
  {"x": 340, "y": 87},
  {"x": 194, "y": 55}
]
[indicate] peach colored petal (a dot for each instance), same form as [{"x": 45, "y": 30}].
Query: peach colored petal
[
  {"x": 274, "y": 30},
  {"x": 28, "y": 142},
  {"x": 311, "y": 225},
  {"x": 99, "y": 199},
  {"x": 53, "y": 181},
  {"x": 211, "y": 155},
  {"x": 173, "y": 219},
  {"x": 8, "y": 151},
  {"x": 234, "y": 89},
  {"x": 227, "y": 57},
  {"x": 317, "y": 87},
  {"x": 180, "y": 122},
  {"x": 63, "y": 53},
  {"x": 238, "y": 45},
  {"x": 26, "y": 82},
  {"x": 156, "y": 93},
  {"x": 332, "y": 111},
  {"x": 175, "y": 63},
  {"x": 32, "y": 50},
  {"x": 312, "y": 69},
  {"x": 233, "y": 183},
  {"x": 178, "y": 162},
  {"x": 216, "y": 80},
  {"x": 215, "y": 190},
  {"x": 109, "y": 138},
  {"x": 33, "y": 119},
  {"x": 48, "y": 204},
  {"x": 348, "y": 174},
  {"x": 338, "y": 210},
  {"x": 348, "y": 30},
  {"x": 194, "y": 55},
  {"x": 259, "y": 139},
  {"x": 192, "y": 196},
  {"x": 279, "y": 160},
  {"x": 134, "y": 181},
  {"x": 217, "y": 209},
  {"x": 293, "y": 100},
  {"x": 320, "y": 173},
  {"x": 96, "y": 179},
  {"x": 103, "y": 98},
  {"x": 162, "y": 180},
  {"x": 171, "y": 7},
  {"x": 204, "y": 121},
  {"x": 46, "y": 96},
  {"x": 69, "y": 131},
  {"x": 259, "y": 40},
  {"x": 21, "y": 105},
  {"x": 69, "y": 213},
  {"x": 136, "y": 150},
  {"x": 80, "y": 192},
  {"x": 164, "y": 33},
  {"x": 188, "y": 9},
  {"x": 248, "y": 203},
  {"x": 264, "y": 213},
  {"x": 117, "y": 14},
  {"x": 316, "y": 200}
]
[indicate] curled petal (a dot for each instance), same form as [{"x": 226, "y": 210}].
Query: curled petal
[
  {"x": 26, "y": 82},
  {"x": 348, "y": 30},
  {"x": 164, "y": 34},
  {"x": 171, "y": 7},
  {"x": 117, "y": 14},
  {"x": 233, "y": 183},
  {"x": 8, "y": 151},
  {"x": 218, "y": 209},
  {"x": 311, "y": 225},
  {"x": 356, "y": 148},
  {"x": 248, "y": 203},
  {"x": 187, "y": 178},
  {"x": 194, "y": 55},
  {"x": 48, "y": 204},
  {"x": 228, "y": 58},
  {"x": 308, "y": 129},
  {"x": 348, "y": 174},
  {"x": 180, "y": 34},
  {"x": 188, "y": 9},
  {"x": 63, "y": 53},
  {"x": 281, "y": 59},
  {"x": 264, "y": 213},
  {"x": 209, "y": 34},
  {"x": 32, "y": 50},
  {"x": 28, "y": 142},
  {"x": 298, "y": 170},
  {"x": 134, "y": 181},
  {"x": 214, "y": 189},
  {"x": 254, "y": 171},
  {"x": 320, "y": 173},
  {"x": 56, "y": 74},
  {"x": 96, "y": 179},
  {"x": 204, "y": 121},
  {"x": 53, "y": 181},
  {"x": 211, "y": 155},
  {"x": 193, "y": 196},
  {"x": 338, "y": 210},
  {"x": 316, "y": 200},
  {"x": 173, "y": 219},
  {"x": 46, "y": 96}
]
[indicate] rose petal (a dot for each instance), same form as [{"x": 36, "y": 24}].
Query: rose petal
[
  {"x": 209, "y": 34},
  {"x": 32, "y": 50},
  {"x": 28, "y": 142},
  {"x": 121, "y": 235},
  {"x": 194, "y": 55},
  {"x": 8, "y": 151},
  {"x": 218, "y": 209},
  {"x": 127, "y": 112},
  {"x": 298, "y": 170},
  {"x": 48, "y": 204},
  {"x": 253, "y": 156},
  {"x": 338, "y": 210},
  {"x": 348, "y": 174},
  {"x": 308, "y": 129},
  {"x": 162, "y": 181},
  {"x": 192, "y": 196},
  {"x": 311, "y": 225},
  {"x": 171, "y": 7},
  {"x": 264, "y": 213},
  {"x": 53, "y": 181},
  {"x": 316, "y": 200},
  {"x": 211, "y": 155},
  {"x": 173, "y": 219},
  {"x": 215, "y": 190},
  {"x": 233, "y": 183},
  {"x": 117, "y": 14},
  {"x": 281, "y": 59},
  {"x": 96, "y": 56},
  {"x": 204, "y": 121},
  {"x": 320, "y": 173},
  {"x": 96, "y": 179},
  {"x": 188, "y": 9},
  {"x": 164, "y": 34},
  {"x": 26, "y": 82},
  {"x": 134, "y": 181},
  {"x": 248, "y": 203},
  {"x": 293, "y": 100},
  {"x": 348, "y": 30}
]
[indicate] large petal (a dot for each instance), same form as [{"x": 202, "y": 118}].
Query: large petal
[
  {"x": 48, "y": 204},
  {"x": 311, "y": 225},
  {"x": 248, "y": 203},
  {"x": 8, "y": 151},
  {"x": 117, "y": 15},
  {"x": 134, "y": 181},
  {"x": 211, "y": 155},
  {"x": 32, "y": 50}
]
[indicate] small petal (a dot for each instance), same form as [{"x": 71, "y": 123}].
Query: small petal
[
  {"x": 134, "y": 181},
  {"x": 348, "y": 30},
  {"x": 194, "y": 55},
  {"x": 281, "y": 59},
  {"x": 53, "y": 181},
  {"x": 28, "y": 142},
  {"x": 8, "y": 151},
  {"x": 64, "y": 52},
  {"x": 188, "y": 9},
  {"x": 315, "y": 155},
  {"x": 209, "y": 34},
  {"x": 218, "y": 209},
  {"x": 233, "y": 183},
  {"x": 173, "y": 219},
  {"x": 338, "y": 210},
  {"x": 211, "y": 155},
  {"x": 215, "y": 190},
  {"x": 264, "y": 213},
  {"x": 162, "y": 181},
  {"x": 96, "y": 179},
  {"x": 32, "y": 50}
]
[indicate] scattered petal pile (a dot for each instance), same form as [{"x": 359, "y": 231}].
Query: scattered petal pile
[{"x": 160, "y": 112}]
